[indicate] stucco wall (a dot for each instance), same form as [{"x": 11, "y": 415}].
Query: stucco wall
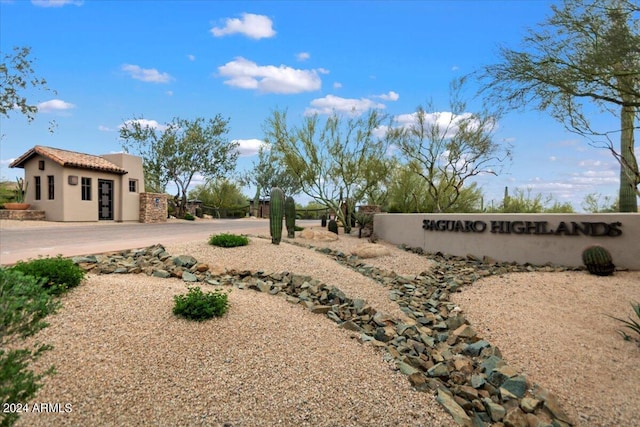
[
  {"x": 533, "y": 238},
  {"x": 53, "y": 208},
  {"x": 128, "y": 206}
]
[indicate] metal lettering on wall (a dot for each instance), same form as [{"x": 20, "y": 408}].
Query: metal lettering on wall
[{"x": 594, "y": 229}]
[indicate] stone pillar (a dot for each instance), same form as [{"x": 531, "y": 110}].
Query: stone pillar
[{"x": 153, "y": 207}]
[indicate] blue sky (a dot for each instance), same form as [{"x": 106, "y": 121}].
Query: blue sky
[{"x": 112, "y": 60}]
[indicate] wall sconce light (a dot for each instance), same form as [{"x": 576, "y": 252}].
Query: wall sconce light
[{"x": 73, "y": 179}]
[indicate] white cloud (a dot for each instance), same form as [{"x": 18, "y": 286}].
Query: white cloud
[
  {"x": 303, "y": 56},
  {"x": 250, "y": 25},
  {"x": 337, "y": 85},
  {"x": 149, "y": 75},
  {"x": 54, "y": 105},
  {"x": 390, "y": 96},
  {"x": 56, "y": 3},
  {"x": 595, "y": 177},
  {"x": 103, "y": 128},
  {"x": 445, "y": 121},
  {"x": 455, "y": 68},
  {"x": 590, "y": 163},
  {"x": 169, "y": 93},
  {"x": 334, "y": 104},
  {"x": 247, "y": 74},
  {"x": 144, "y": 123},
  {"x": 191, "y": 57},
  {"x": 249, "y": 147},
  {"x": 553, "y": 158}
]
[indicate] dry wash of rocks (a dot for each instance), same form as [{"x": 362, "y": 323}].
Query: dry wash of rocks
[{"x": 430, "y": 341}]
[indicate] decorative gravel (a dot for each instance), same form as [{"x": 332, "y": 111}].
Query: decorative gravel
[{"x": 124, "y": 359}]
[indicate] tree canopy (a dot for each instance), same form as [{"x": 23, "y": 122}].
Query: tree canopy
[
  {"x": 17, "y": 75},
  {"x": 180, "y": 151},
  {"x": 585, "y": 55},
  {"x": 448, "y": 148},
  {"x": 336, "y": 160}
]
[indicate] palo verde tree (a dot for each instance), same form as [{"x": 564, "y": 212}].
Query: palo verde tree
[
  {"x": 335, "y": 161},
  {"x": 269, "y": 173},
  {"x": 408, "y": 192},
  {"x": 182, "y": 150},
  {"x": 448, "y": 148},
  {"x": 587, "y": 54}
]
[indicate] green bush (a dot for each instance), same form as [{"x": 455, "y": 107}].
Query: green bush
[
  {"x": 24, "y": 304},
  {"x": 227, "y": 240},
  {"x": 188, "y": 217},
  {"x": 199, "y": 306},
  {"x": 58, "y": 274},
  {"x": 298, "y": 228}
]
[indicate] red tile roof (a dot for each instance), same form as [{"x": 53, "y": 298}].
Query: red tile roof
[{"x": 70, "y": 159}]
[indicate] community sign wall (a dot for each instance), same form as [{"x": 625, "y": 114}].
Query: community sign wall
[{"x": 523, "y": 238}]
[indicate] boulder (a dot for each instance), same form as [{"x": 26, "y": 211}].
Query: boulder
[
  {"x": 320, "y": 235},
  {"x": 370, "y": 250}
]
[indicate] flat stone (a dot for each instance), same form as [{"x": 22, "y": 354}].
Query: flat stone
[
  {"x": 161, "y": 273},
  {"x": 529, "y": 404},
  {"x": 189, "y": 277},
  {"x": 491, "y": 363},
  {"x": 495, "y": 411},
  {"x": 517, "y": 385},
  {"x": 351, "y": 326},
  {"x": 455, "y": 410},
  {"x": 477, "y": 381},
  {"x": 320, "y": 309},
  {"x": 499, "y": 375},
  {"x": 186, "y": 261},
  {"x": 551, "y": 403},
  {"x": 439, "y": 370},
  {"x": 263, "y": 286},
  {"x": 515, "y": 418},
  {"x": 475, "y": 348},
  {"x": 465, "y": 331},
  {"x": 406, "y": 369}
]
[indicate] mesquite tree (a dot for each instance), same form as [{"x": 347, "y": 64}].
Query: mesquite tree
[
  {"x": 587, "y": 52},
  {"x": 183, "y": 149}
]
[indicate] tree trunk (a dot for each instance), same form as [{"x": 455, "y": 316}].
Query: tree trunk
[{"x": 628, "y": 164}]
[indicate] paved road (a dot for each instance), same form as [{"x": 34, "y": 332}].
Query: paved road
[{"x": 81, "y": 239}]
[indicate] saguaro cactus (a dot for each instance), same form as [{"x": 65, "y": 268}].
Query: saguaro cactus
[
  {"x": 290, "y": 216},
  {"x": 276, "y": 212}
]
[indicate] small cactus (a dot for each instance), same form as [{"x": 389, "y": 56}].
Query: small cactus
[
  {"x": 323, "y": 220},
  {"x": 276, "y": 210},
  {"x": 598, "y": 261},
  {"x": 290, "y": 216},
  {"x": 333, "y": 226}
]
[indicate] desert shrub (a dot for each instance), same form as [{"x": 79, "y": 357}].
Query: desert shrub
[
  {"x": 188, "y": 217},
  {"x": 298, "y": 228},
  {"x": 199, "y": 306},
  {"x": 227, "y": 240},
  {"x": 58, "y": 274},
  {"x": 24, "y": 304}
]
